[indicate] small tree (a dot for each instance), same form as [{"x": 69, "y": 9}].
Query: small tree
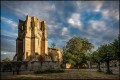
[
  {"x": 106, "y": 55},
  {"x": 53, "y": 45},
  {"x": 115, "y": 45},
  {"x": 116, "y": 50},
  {"x": 96, "y": 57}
]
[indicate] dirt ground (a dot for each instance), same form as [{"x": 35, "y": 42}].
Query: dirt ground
[{"x": 68, "y": 74}]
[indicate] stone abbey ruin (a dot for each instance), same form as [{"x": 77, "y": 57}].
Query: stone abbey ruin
[
  {"x": 32, "y": 51},
  {"x": 32, "y": 42}
]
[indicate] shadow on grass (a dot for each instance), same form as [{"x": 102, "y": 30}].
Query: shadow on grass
[
  {"x": 106, "y": 72},
  {"x": 44, "y": 71}
]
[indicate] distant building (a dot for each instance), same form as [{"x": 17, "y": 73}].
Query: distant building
[{"x": 32, "y": 42}]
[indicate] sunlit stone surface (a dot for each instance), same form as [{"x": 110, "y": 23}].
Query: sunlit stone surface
[{"x": 32, "y": 42}]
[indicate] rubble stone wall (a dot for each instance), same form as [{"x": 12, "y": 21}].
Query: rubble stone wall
[{"x": 28, "y": 66}]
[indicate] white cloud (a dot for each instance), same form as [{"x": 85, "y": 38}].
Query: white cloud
[
  {"x": 98, "y": 5},
  {"x": 98, "y": 25},
  {"x": 54, "y": 29},
  {"x": 41, "y": 9},
  {"x": 5, "y": 52},
  {"x": 116, "y": 15},
  {"x": 64, "y": 31},
  {"x": 108, "y": 9},
  {"x": 53, "y": 7},
  {"x": 74, "y": 20},
  {"x": 9, "y": 22},
  {"x": 78, "y": 4},
  {"x": 105, "y": 13},
  {"x": 8, "y": 40}
]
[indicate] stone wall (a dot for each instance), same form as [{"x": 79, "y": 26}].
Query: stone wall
[
  {"x": 28, "y": 66},
  {"x": 55, "y": 54},
  {"x": 43, "y": 65}
]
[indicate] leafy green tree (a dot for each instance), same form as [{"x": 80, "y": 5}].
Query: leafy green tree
[
  {"x": 75, "y": 50},
  {"x": 68, "y": 58},
  {"x": 96, "y": 57},
  {"x": 116, "y": 50},
  {"x": 106, "y": 54},
  {"x": 53, "y": 45},
  {"x": 6, "y": 59}
]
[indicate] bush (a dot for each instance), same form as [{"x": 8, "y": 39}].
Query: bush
[
  {"x": 42, "y": 71},
  {"x": 99, "y": 70},
  {"x": 108, "y": 72}
]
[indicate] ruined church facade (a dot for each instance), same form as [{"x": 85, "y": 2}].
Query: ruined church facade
[{"x": 32, "y": 42}]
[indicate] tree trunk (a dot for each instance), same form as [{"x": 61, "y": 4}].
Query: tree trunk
[
  {"x": 78, "y": 65},
  {"x": 108, "y": 68},
  {"x": 90, "y": 65},
  {"x": 119, "y": 68},
  {"x": 99, "y": 66}
]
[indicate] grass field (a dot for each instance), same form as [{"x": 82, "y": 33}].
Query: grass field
[{"x": 68, "y": 74}]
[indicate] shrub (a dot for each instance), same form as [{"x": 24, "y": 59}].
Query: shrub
[
  {"x": 108, "y": 72},
  {"x": 99, "y": 70},
  {"x": 42, "y": 71}
]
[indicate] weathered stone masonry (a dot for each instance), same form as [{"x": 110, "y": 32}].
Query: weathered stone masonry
[{"x": 32, "y": 42}]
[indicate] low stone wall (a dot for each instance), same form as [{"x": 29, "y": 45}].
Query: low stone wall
[
  {"x": 26, "y": 66},
  {"x": 43, "y": 65}
]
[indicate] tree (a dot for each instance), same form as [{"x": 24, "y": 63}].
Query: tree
[
  {"x": 53, "y": 45},
  {"x": 96, "y": 57},
  {"x": 75, "y": 50},
  {"x": 6, "y": 59},
  {"x": 116, "y": 50},
  {"x": 106, "y": 54}
]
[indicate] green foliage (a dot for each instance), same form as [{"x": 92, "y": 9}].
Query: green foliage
[
  {"x": 53, "y": 45},
  {"x": 105, "y": 51},
  {"x": 99, "y": 70},
  {"x": 6, "y": 59},
  {"x": 68, "y": 58},
  {"x": 75, "y": 50},
  {"x": 103, "y": 54},
  {"x": 109, "y": 72},
  {"x": 115, "y": 50},
  {"x": 43, "y": 71},
  {"x": 96, "y": 57}
]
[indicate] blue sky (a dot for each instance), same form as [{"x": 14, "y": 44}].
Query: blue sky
[{"x": 96, "y": 20}]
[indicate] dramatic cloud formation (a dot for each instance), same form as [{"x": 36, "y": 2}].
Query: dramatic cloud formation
[{"x": 96, "y": 20}]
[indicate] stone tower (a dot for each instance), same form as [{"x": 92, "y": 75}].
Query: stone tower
[{"x": 32, "y": 39}]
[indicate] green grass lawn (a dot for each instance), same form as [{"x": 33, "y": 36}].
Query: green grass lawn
[{"x": 68, "y": 74}]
